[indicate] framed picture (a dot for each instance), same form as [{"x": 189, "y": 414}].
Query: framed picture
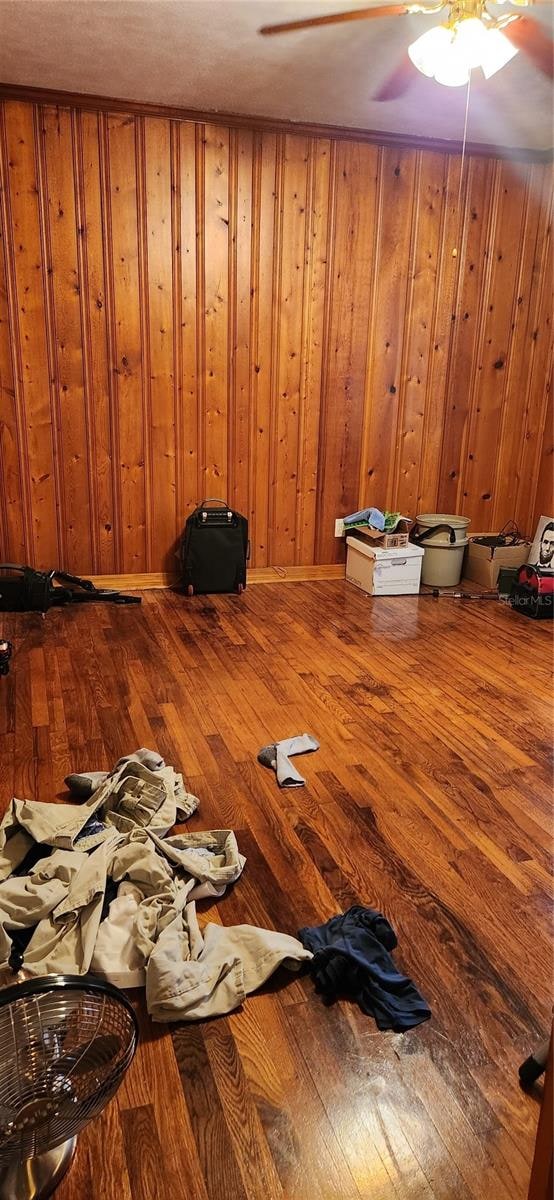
[{"x": 541, "y": 553}]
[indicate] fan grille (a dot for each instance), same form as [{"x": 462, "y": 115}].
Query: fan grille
[{"x": 63, "y": 1053}]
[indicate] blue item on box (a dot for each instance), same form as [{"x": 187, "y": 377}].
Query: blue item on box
[{"x": 367, "y": 516}]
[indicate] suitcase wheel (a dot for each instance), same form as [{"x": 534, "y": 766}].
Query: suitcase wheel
[
  {"x": 240, "y": 588},
  {"x": 190, "y": 589}
]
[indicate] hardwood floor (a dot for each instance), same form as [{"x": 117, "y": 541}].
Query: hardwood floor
[{"x": 430, "y": 799}]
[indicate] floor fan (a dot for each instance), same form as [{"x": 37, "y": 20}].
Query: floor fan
[{"x": 65, "y": 1044}]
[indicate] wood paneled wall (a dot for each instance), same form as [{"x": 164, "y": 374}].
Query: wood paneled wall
[{"x": 190, "y": 310}]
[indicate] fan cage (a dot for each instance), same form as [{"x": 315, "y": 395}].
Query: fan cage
[{"x": 65, "y": 1045}]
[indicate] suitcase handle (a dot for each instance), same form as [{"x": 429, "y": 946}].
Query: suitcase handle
[{"x": 205, "y": 514}]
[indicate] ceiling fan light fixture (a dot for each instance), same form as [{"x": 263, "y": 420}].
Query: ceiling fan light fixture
[{"x": 447, "y": 53}]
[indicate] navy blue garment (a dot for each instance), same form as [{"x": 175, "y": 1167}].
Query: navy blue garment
[{"x": 352, "y": 959}]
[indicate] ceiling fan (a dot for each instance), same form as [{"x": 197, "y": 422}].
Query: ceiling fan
[{"x": 470, "y": 37}]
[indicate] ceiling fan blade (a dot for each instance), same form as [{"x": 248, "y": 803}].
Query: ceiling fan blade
[
  {"x": 398, "y": 81},
  {"x": 356, "y": 14},
  {"x": 528, "y": 37}
]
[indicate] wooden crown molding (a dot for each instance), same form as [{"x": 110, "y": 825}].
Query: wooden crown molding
[{"x": 51, "y": 96}]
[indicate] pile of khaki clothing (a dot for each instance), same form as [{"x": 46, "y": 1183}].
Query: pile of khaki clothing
[{"x": 99, "y": 886}]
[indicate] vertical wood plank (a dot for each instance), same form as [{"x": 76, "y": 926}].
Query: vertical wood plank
[
  {"x": 29, "y": 276},
  {"x": 486, "y": 422},
  {"x": 265, "y": 194},
  {"x": 144, "y": 339},
  {"x": 539, "y": 358},
  {"x": 471, "y": 281},
  {"x": 289, "y": 313},
  {"x": 160, "y": 319},
  {"x": 13, "y": 458},
  {"x": 315, "y": 288},
  {"x": 517, "y": 364},
  {"x": 443, "y": 316},
  {"x": 418, "y": 327},
  {"x": 95, "y": 316},
  {"x": 188, "y": 319},
  {"x": 241, "y": 371},
  {"x": 349, "y": 282},
  {"x": 128, "y": 349},
  {"x": 73, "y": 448},
  {"x": 276, "y": 264},
  {"x": 544, "y": 495},
  {"x": 384, "y": 383},
  {"x": 216, "y": 309}
]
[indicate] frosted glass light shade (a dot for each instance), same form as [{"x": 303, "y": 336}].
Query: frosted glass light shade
[
  {"x": 448, "y": 54},
  {"x": 426, "y": 51},
  {"x": 470, "y": 36},
  {"x": 497, "y": 52},
  {"x": 453, "y": 68}
]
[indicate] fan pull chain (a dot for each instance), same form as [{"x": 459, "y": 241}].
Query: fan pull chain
[{"x": 462, "y": 164}]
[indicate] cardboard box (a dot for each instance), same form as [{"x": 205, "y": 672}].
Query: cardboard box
[
  {"x": 382, "y": 572},
  {"x": 387, "y": 541},
  {"x": 482, "y": 563}
]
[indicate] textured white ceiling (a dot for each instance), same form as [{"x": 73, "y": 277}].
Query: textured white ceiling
[{"x": 207, "y": 54}]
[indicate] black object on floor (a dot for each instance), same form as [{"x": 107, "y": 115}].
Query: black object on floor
[
  {"x": 6, "y": 649},
  {"x": 534, "y": 1066},
  {"x": 214, "y": 549},
  {"x": 352, "y": 959},
  {"x": 25, "y": 590}
]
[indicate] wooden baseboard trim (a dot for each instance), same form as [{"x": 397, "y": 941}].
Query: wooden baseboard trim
[
  {"x": 166, "y": 579},
  {"x": 295, "y": 574},
  {"x": 133, "y": 583}
]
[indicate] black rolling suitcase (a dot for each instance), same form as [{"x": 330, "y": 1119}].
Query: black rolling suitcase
[{"x": 214, "y": 549}]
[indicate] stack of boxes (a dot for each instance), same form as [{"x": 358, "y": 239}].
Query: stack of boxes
[
  {"x": 388, "y": 564},
  {"x": 383, "y": 564}
]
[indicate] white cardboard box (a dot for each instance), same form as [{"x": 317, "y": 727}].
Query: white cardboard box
[{"x": 383, "y": 572}]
